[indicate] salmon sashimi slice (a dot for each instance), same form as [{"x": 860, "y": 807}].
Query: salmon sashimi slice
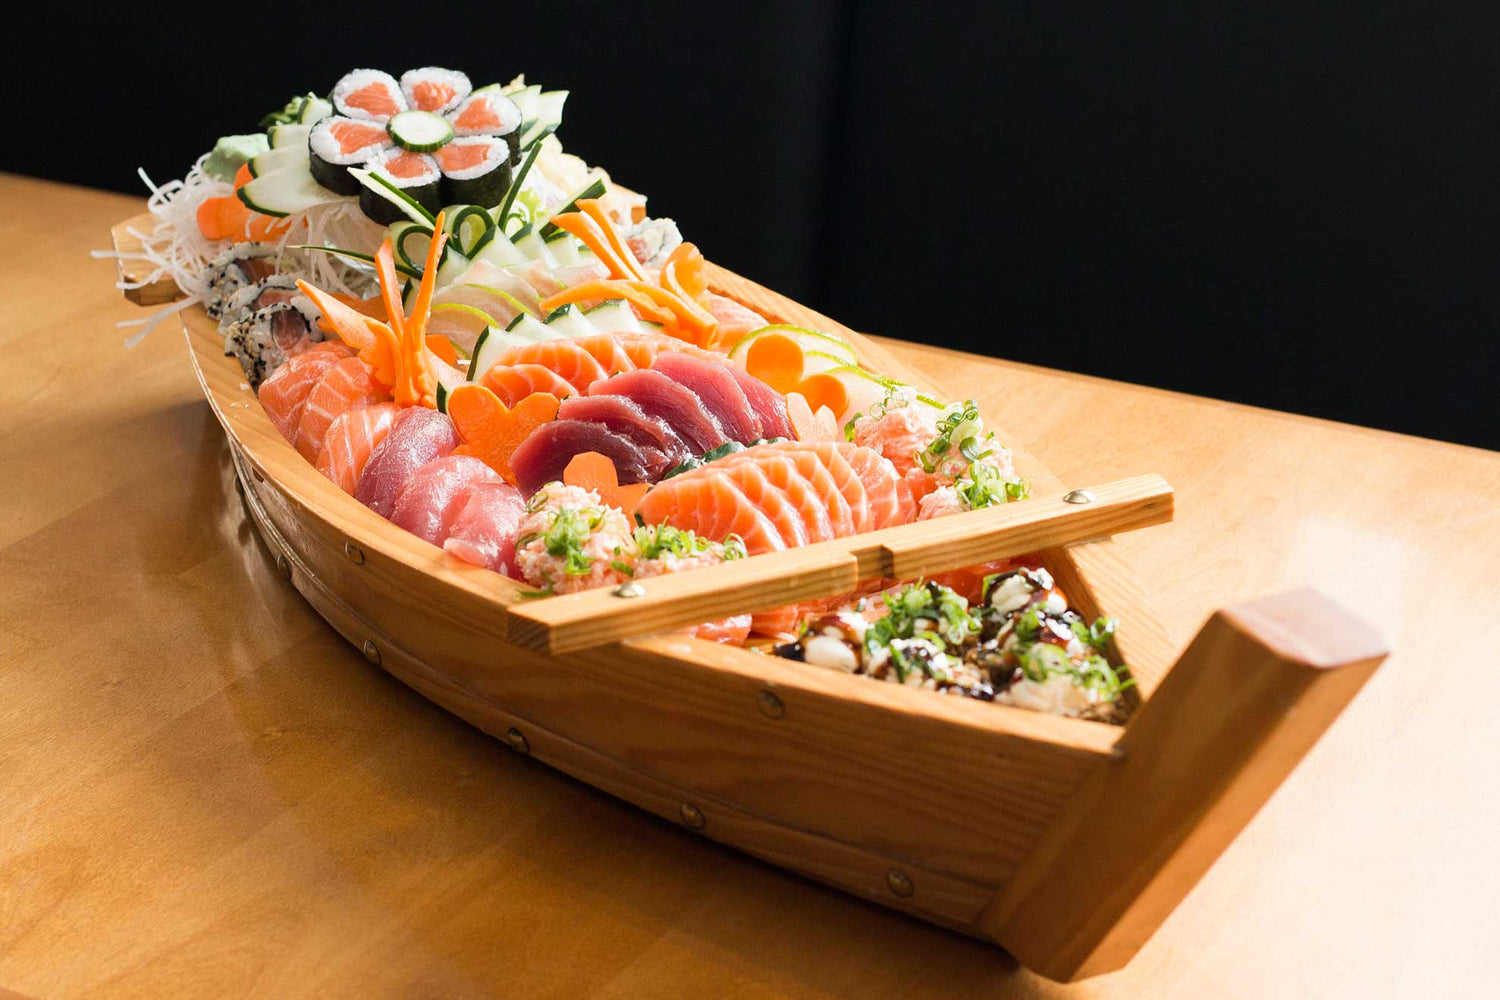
[
  {"x": 659, "y": 396},
  {"x": 774, "y": 503},
  {"x": 431, "y": 501},
  {"x": 715, "y": 508},
  {"x": 735, "y": 320},
  {"x": 417, "y": 436},
  {"x": 606, "y": 349},
  {"x": 351, "y": 438},
  {"x": 642, "y": 347},
  {"x": 824, "y": 511},
  {"x": 733, "y": 630},
  {"x": 564, "y": 358},
  {"x": 890, "y": 495},
  {"x": 831, "y": 456},
  {"x": 484, "y": 530},
  {"x": 348, "y": 384},
  {"x": 513, "y": 383},
  {"x": 715, "y": 385},
  {"x": 285, "y": 392}
]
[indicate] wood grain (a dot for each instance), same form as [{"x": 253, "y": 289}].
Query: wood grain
[
  {"x": 826, "y": 569},
  {"x": 126, "y": 237},
  {"x": 210, "y": 793},
  {"x": 1237, "y": 712}
]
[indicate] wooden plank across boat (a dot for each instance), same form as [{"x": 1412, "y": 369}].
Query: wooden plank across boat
[{"x": 1065, "y": 841}]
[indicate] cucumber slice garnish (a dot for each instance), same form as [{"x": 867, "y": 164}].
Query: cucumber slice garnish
[
  {"x": 419, "y": 131},
  {"x": 285, "y": 191}
]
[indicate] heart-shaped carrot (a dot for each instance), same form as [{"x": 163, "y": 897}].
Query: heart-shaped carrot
[
  {"x": 490, "y": 430},
  {"x": 824, "y": 390},
  {"x": 820, "y": 426},
  {"x": 777, "y": 361},
  {"x": 590, "y": 470}
]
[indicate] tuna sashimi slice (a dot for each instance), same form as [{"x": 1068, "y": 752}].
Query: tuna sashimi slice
[
  {"x": 350, "y": 440},
  {"x": 436, "y": 493},
  {"x": 484, "y": 531},
  {"x": 417, "y": 436},
  {"x": 659, "y": 396},
  {"x": 624, "y": 415},
  {"x": 768, "y": 404},
  {"x": 715, "y": 385},
  {"x": 285, "y": 392},
  {"x": 349, "y": 383},
  {"x": 545, "y": 453}
]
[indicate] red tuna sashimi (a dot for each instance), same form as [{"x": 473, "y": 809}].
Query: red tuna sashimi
[
  {"x": 284, "y": 393},
  {"x": 768, "y": 404},
  {"x": 624, "y": 415},
  {"x": 417, "y": 436},
  {"x": 513, "y": 383},
  {"x": 714, "y": 384},
  {"x": 660, "y": 396},
  {"x": 351, "y": 439},
  {"x": 563, "y": 358},
  {"x": 484, "y": 531},
  {"x": 436, "y": 493},
  {"x": 348, "y": 384},
  {"x": 546, "y": 452}
]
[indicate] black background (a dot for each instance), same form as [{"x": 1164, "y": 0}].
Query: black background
[{"x": 1287, "y": 204}]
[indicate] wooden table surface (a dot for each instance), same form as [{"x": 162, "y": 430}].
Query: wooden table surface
[{"x": 205, "y": 792}]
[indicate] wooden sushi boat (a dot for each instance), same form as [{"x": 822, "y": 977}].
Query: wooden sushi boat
[{"x": 1065, "y": 841}]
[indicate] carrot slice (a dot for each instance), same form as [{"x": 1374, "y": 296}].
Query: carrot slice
[
  {"x": 418, "y": 383},
  {"x": 587, "y": 230},
  {"x": 374, "y": 340},
  {"x": 490, "y": 430},
  {"x": 443, "y": 348},
  {"x": 824, "y": 390},
  {"x": 776, "y": 360},
  {"x": 243, "y": 176},
  {"x": 593, "y": 471},
  {"x": 595, "y": 211}
]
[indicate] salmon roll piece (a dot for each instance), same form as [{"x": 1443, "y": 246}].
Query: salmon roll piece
[
  {"x": 285, "y": 392},
  {"x": 347, "y": 385},
  {"x": 351, "y": 439}
]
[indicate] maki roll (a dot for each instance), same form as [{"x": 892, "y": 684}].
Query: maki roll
[
  {"x": 265, "y": 323},
  {"x": 242, "y": 264},
  {"x": 434, "y": 89},
  {"x": 337, "y": 143},
  {"x": 368, "y": 94},
  {"x": 416, "y": 175},
  {"x": 490, "y": 112},
  {"x": 476, "y": 170}
]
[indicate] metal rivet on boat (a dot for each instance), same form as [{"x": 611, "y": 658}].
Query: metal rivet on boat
[
  {"x": 356, "y": 556},
  {"x": 517, "y": 740},
  {"x": 1117, "y": 752},
  {"x": 770, "y": 705},
  {"x": 283, "y": 565},
  {"x": 692, "y": 816},
  {"x": 1078, "y": 496},
  {"x": 371, "y": 651},
  {"x": 629, "y": 589},
  {"x": 899, "y": 882}
]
